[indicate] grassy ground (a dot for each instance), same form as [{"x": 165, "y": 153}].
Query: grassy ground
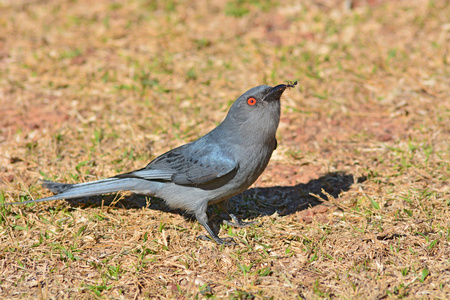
[{"x": 355, "y": 201}]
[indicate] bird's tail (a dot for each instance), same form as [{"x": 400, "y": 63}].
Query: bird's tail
[{"x": 93, "y": 188}]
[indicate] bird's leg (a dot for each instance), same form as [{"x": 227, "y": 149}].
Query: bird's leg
[
  {"x": 202, "y": 218},
  {"x": 236, "y": 221}
]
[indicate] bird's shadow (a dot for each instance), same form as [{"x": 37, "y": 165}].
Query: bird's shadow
[{"x": 251, "y": 204}]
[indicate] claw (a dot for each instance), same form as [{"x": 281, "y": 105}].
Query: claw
[{"x": 219, "y": 241}]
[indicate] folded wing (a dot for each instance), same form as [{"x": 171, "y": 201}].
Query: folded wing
[{"x": 188, "y": 165}]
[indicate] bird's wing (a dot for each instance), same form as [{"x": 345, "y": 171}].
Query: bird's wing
[{"x": 187, "y": 165}]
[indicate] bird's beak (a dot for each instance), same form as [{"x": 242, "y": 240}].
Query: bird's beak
[{"x": 276, "y": 92}]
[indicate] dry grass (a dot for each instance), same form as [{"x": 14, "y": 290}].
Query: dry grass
[{"x": 354, "y": 204}]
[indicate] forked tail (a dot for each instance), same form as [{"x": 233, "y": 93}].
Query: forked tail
[{"x": 70, "y": 191}]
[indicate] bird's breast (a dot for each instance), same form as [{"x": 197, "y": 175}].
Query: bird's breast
[{"x": 255, "y": 161}]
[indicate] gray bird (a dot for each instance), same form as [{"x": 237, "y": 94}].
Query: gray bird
[{"x": 217, "y": 166}]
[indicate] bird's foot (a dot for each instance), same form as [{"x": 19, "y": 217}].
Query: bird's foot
[
  {"x": 238, "y": 222},
  {"x": 218, "y": 240}
]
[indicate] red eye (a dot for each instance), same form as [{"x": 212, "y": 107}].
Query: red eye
[{"x": 251, "y": 101}]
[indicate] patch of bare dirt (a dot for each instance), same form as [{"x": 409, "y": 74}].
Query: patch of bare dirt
[{"x": 33, "y": 117}]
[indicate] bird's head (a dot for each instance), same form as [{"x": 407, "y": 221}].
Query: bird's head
[{"x": 258, "y": 109}]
